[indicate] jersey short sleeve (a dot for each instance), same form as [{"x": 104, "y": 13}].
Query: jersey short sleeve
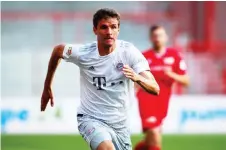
[
  {"x": 137, "y": 60},
  {"x": 181, "y": 66},
  {"x": 71, "y": 53}
]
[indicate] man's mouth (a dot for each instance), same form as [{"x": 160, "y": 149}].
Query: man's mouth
[{"x": 109, "y": 38}]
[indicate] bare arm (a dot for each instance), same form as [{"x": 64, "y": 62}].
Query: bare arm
[
  {"x": 182, "y": 79},
  {"x": 179, "y": 74},
  {"x": 55, "y": 58},
  {"x": 145, "y": 79}
]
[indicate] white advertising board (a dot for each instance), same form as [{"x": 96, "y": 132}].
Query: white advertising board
[{"x": 187, "y": 114}]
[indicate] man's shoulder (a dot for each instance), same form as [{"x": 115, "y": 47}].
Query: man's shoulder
[
  {"x": 89, "y": 46},
  {"x": 82, "y": 49},
  {"x": 124, "y": 44},
  {"x": 148, "y": 52},
  {"x": 172, "y": 51}
]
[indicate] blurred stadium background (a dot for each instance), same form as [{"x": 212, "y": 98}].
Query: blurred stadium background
[{"x": 29, "y": 30}]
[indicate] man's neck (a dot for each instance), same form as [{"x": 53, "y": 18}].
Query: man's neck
[
  {"x": 105, "y": 50},
  {"x": 160, "y": 50}
]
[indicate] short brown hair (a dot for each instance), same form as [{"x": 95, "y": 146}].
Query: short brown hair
[
  {"x": 105, "y": 13},
  {"x": 154, "y": 27}
]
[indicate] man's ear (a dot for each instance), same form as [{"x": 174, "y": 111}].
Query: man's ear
[{"x": 94, "y": 30}]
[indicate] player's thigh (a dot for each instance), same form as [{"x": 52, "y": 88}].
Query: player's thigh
[
  {"x": 151, "y": 118},
  {"x": 121, "y": 140},
  {"x": 151, "y": 113},
  {"x": 151, "y": 122},
  {"x": 157, "y": 107},
  {"x": 102, "y": 141},
  {"x": 104, "y": 145},
  {"x": 153, "y": 132},
  {"x": 93, "y": 132},
  {"x": 147, "y": 107},
  {"x": 153, "y": 136}
]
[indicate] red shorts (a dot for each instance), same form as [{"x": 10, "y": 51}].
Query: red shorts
[{"x": 153, "y": 109}]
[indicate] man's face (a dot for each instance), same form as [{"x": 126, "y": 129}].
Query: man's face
[
  {"x": 159, "y": 37},
  {"x": 107, "y": 31}
]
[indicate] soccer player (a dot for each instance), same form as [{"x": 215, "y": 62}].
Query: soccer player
[
  {"x": 167, "y": 66},
  {"x": 108, "y": 68}
]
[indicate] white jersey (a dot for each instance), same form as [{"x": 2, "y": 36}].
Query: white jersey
[{"x": 105, "y": 91}]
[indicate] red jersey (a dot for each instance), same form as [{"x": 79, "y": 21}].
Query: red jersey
[
  {"x": 157, "y": 106},
  {"x": 170, "y": 58}
]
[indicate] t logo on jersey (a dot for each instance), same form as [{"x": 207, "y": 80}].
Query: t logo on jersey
[{"x": 99, "y": 82}]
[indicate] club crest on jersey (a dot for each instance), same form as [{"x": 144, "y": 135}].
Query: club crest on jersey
[
  {"x": 169, "y": 60},
  {"x": 69, "y": 51},
  {"x": 119, "y": 66}
]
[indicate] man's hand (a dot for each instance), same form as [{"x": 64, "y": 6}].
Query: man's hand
[
  {"x": 129, "y": 73},
  {"x": 145, "y": 79},
  {"x": 46, "y": 96},
  {"x": 168, "y": 71},
  {"x": 182, "y": 79}
]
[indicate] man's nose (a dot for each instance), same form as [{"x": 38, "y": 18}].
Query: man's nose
[{"x": 109, "y": 31}]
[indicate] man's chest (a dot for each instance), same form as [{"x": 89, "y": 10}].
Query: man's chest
[
  {"x": 107, "y": 72},
  {"x": 158, "y": 65}
]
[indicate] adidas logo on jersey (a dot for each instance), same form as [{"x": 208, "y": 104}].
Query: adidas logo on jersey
[{"x": 91, "y": 68}]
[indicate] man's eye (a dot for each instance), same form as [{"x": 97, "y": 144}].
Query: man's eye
[
  {"x": 103, "y": 27},
  {"x": 113, "y": 27}
]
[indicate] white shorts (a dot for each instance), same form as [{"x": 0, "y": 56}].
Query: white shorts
[{"x": 95, "y": 131}]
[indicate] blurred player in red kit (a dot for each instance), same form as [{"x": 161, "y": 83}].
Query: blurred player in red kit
[{"x": 167, "y": 66}]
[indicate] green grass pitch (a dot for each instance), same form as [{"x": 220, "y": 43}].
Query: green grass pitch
[{"x": 75, "y": 142}]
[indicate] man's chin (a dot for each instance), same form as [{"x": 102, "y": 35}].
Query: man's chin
[
  {"x": 157, "y": 46},
  {"x": 109, "y": 44}
]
